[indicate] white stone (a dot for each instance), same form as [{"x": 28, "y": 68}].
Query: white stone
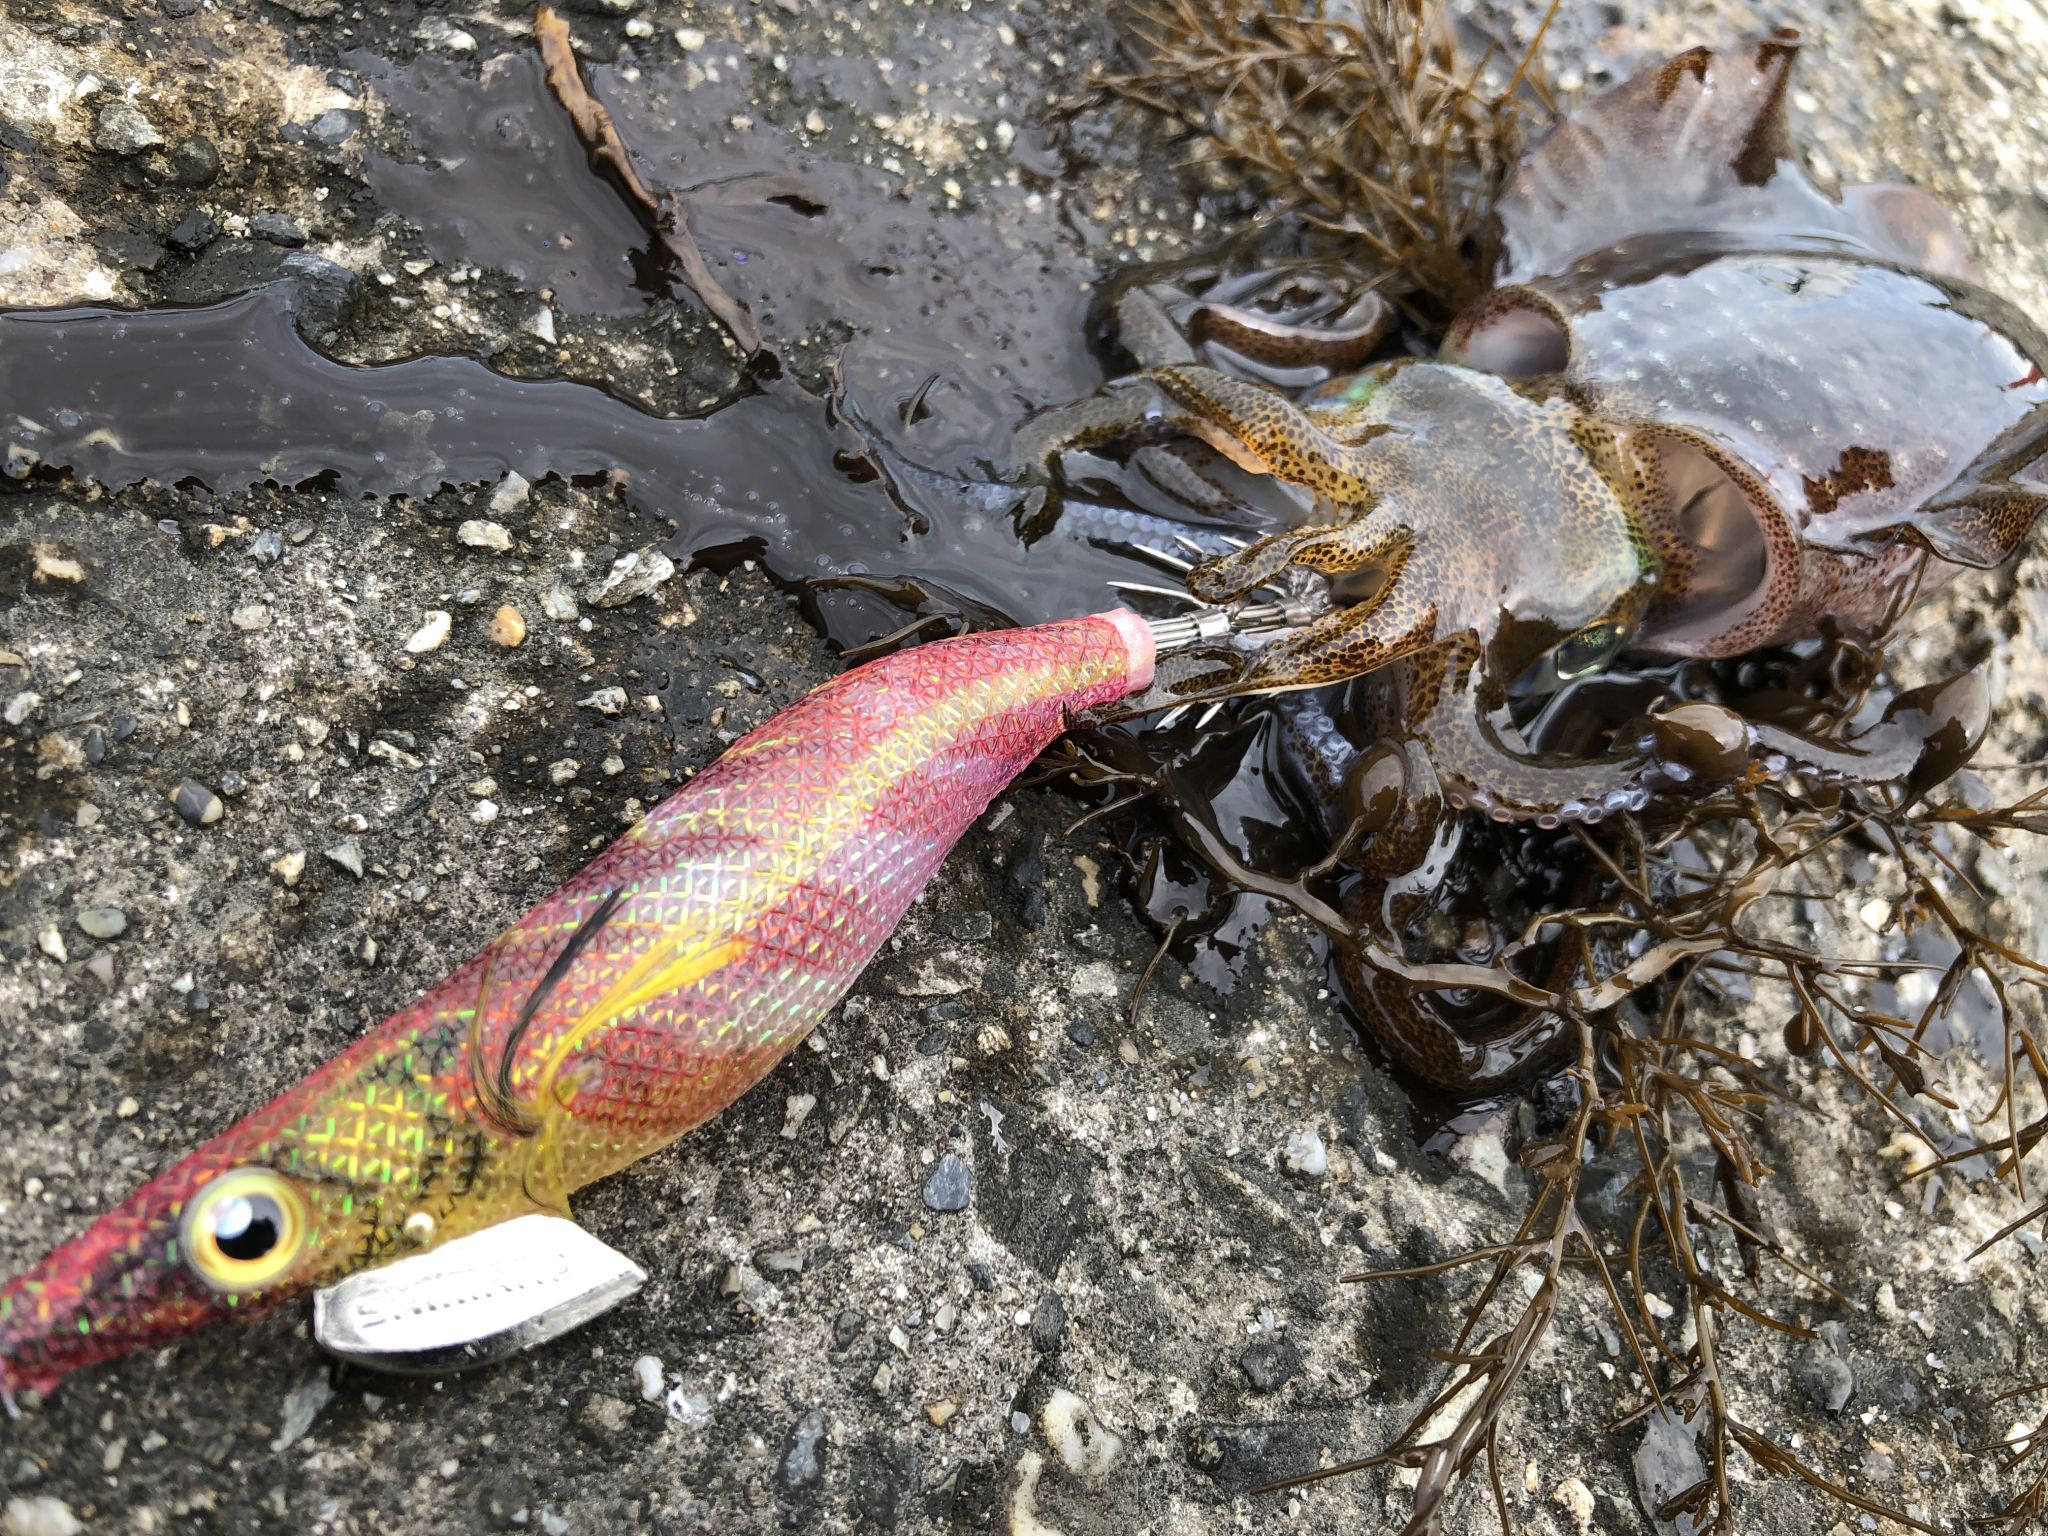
[
  {"x": 482, "y": 533},
  {"x": 42, "y": 1516},
  {"x": 647, "y": 1374},
  {"x": 633, "y": 575},
  {"x": 1084, "y": 1447},
  {"x": 511, "y": 493},
  {"x": 431, "y": 635},
  {"x": 1305, "y": 1154}
]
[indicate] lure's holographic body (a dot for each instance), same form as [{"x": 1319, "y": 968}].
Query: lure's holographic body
[{"x": 634, "y": 1003}]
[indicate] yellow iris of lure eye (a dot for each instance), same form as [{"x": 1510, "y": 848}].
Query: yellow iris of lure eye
[{"x": 244, "y": 1230}]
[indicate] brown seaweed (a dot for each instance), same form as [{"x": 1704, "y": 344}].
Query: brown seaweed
[{"x": 1365, "y": 121}]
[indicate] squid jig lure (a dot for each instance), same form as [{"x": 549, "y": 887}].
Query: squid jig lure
[{"x": 419, "y": 1182}]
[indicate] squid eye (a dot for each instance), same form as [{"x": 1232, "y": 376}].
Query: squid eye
[
  {"x": 244, "y": 1230},
  {"x": 1587, "y": 651}
]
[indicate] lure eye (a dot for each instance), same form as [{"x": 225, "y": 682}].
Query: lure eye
[
  {"x": 244, "y": 1230},
  {"x": 1589, "y": 650}
]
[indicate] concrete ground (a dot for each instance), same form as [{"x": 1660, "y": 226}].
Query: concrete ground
[{"x": 1137, "y": 1319}]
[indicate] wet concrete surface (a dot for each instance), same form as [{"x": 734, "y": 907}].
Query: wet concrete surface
[{"x": 833, "y": 1345}]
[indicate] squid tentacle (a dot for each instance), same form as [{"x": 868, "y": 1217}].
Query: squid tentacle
[{"x": 1691, "y": 742}]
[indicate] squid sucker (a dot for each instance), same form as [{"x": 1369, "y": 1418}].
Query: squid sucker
[{"x": 636, "y": 1002}]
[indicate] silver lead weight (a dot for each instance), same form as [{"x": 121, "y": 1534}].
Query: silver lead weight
[{"x": 475, "y": 1299}]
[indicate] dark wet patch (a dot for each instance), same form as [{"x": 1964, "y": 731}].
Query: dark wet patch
[
  {"x": 229, "y": 397},
  {"x": 960, "y": 319},
  {"x": 499, "y": 180}
]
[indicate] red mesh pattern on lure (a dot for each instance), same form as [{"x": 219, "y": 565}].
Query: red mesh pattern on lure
[{"x": 634, "y": 1003}]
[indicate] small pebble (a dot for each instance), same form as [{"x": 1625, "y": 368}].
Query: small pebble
[
  {"x": 277, "y": 229},
  {"x": 1667, "y": 1462},
  {"x": 633, "y": 575},
  {"x": 563, "y": 769},
  {"x": 348, "y": 853},
  {"x": 1306, "y": 1155},
  {"x": 484, "y": 812},
  {"x": 288, "y": 867},
  {"x": 690, "y": 39},
  {"x": 647, "y": 1374},
  {"x": 53, "y": 565},
  {"x": 250, "y": 617},
  {"x": 51, "y": 942},
  {"x": 194, "y": 233},
  {"x": 41, "y": 1516},
  {"x": 195, "y": 162},
  {"x": 510, "y": 493},
  {"x": 507, "y": 627},
  {"x": 606, "y": 701},
  {"x": 440, "y": 33},
  {"x": 1084, "y": 1446},
  {"x": 558, "y": 604},
  {"x": 198, "y": 805},
  {"x": 431, "y": 635},
  {"x": 121, "y": 129},
  {"x": 302, "y": 1405},
  {"x": 482, "y": 533},
  {"x": 1268, "y": 1363},
  {"x": 802, "y": 1463},
  {"x": 21, "y": 706},
  {"x": 942, "y": 1411},
  {"x": 267, "y": 548},
  {"x": 1826, "y": 1376},
  {"x": 334, "y": 127},
  {"x": 103, "y": 922},
  {"x": 796, "y": 1109},
  {"x": 951, "y": 1186}
]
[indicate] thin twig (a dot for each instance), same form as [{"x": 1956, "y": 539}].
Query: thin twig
[{"x": 663, "y": 214}]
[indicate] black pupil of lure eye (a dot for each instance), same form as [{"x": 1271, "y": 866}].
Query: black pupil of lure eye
[{"x": 247, "y": 1227}]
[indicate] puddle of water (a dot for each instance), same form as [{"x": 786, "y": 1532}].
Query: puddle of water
[
  {"x": 961, "y": 321},
  {"x": 500, "y": 181},
  {"x": 230, "y": 396}
]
